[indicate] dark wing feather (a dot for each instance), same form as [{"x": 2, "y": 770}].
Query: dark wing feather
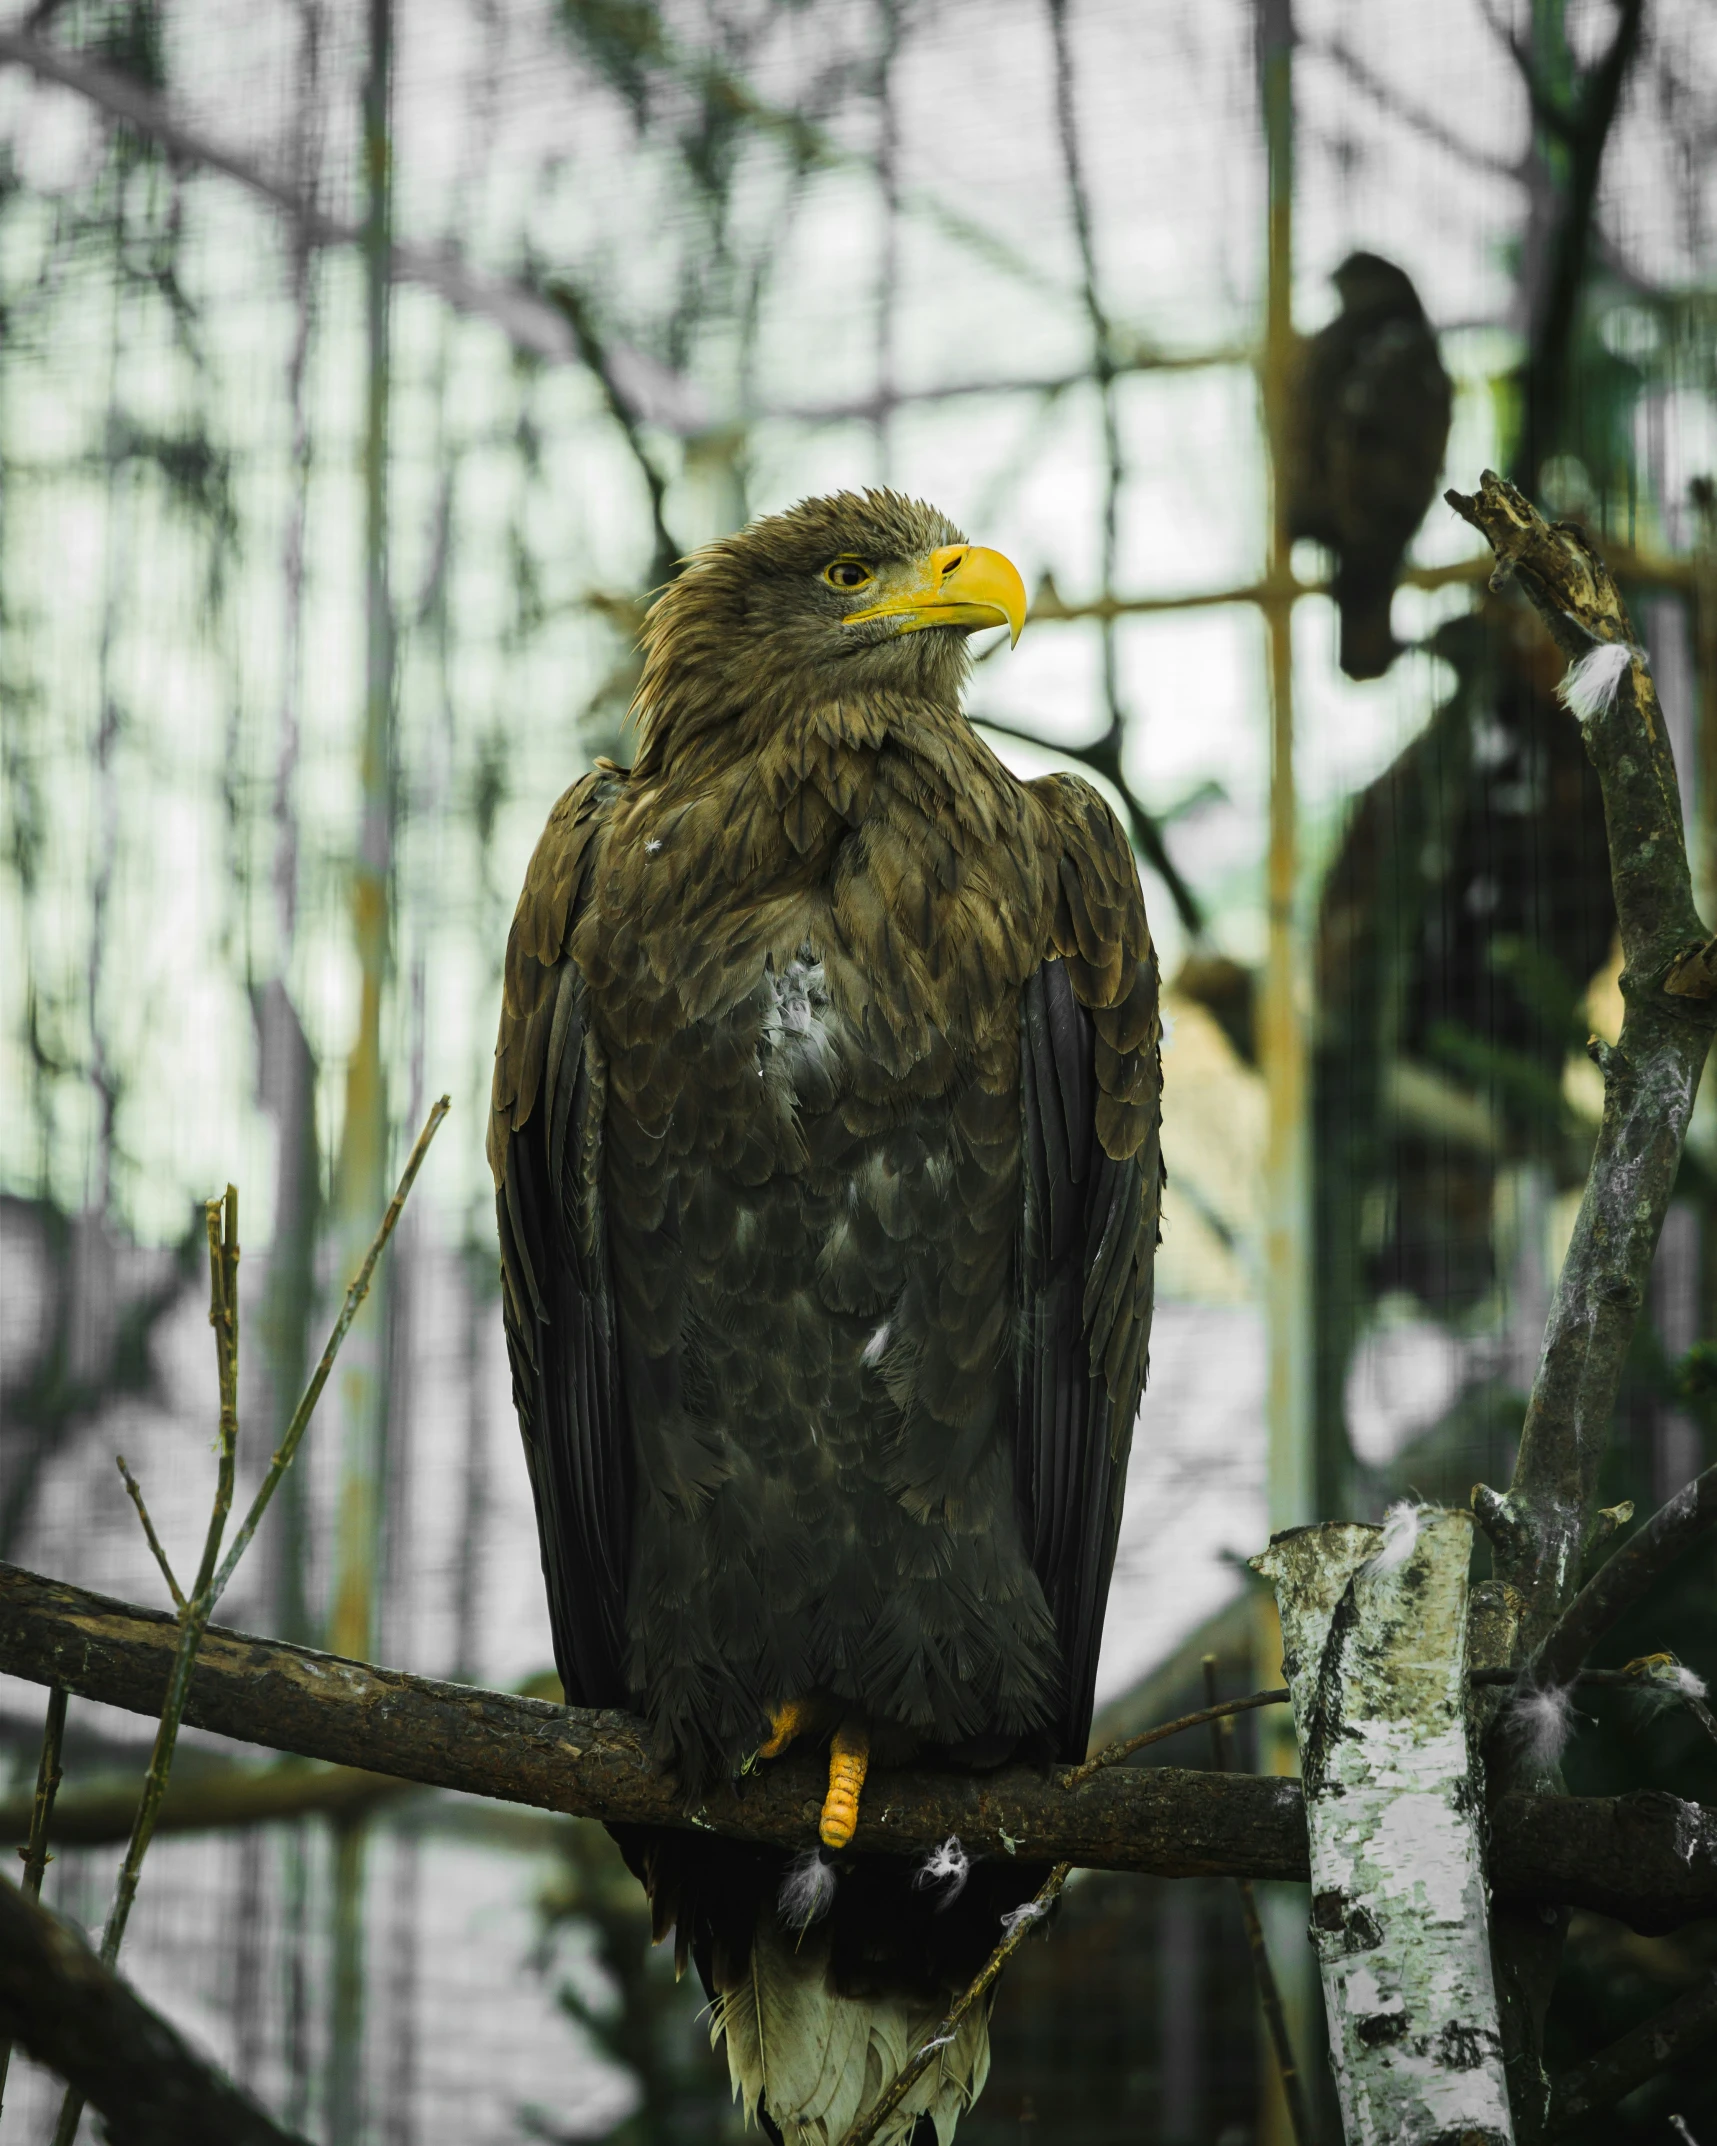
[
  {"x": 1091, "y": 1085},
  {"x": 545, "y": 1146}
]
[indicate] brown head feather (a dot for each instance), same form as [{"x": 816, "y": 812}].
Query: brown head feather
[{"x": 750, "y": 625}]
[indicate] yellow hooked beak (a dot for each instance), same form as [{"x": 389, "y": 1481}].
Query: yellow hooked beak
[{"x": 960, "y": 585}]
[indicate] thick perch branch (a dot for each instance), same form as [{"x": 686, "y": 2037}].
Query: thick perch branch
[
  {"x": 80, "y": 2020},
  {"x": 1650, "y": 1860}
]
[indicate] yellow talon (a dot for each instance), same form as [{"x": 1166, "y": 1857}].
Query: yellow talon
[
  {"x": 848, "y": 1758},
  {"x": 784, "y": 1724}
]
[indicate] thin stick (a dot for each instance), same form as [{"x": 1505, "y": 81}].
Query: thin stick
[
  {"x": 355, "y": 1296},
  {"x": 150, "y": 1536},
  {"x": 1024, "y": 1919},
  {"x": 222, "y": 1223},
  {"x": 220, "y": 1220},
  {"x": 1112, "y": 1754},
  {"x": 1263, "y": 1974},
  {"x": 1020, "y": 1924},
  {"x": 36, "y": 1853}
]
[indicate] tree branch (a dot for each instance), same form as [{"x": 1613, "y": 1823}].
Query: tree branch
[
  {"x": 1677, "y": 2032},
  {"x": 1672, "y": 1530},
  {"x": 1544, "y": 1526},
  {"x": 1649, "y": 1860},
  {"x": 80, "y": 2020}
]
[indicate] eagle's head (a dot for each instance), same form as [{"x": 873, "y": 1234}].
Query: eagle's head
[{"x": 855, "y": 593}]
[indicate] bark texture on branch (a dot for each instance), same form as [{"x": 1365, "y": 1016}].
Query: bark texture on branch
[
  {"x": 1650, "y": 1860},
  {"x": 1673, "y": 1530},
  {"x": 1375, "y": 1647},
  {"x": 1542, "y": 1528},
  {"x": 80, "y": 2020}
]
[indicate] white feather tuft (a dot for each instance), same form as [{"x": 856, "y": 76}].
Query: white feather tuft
[
  {"x": 1590, "y": 688},
  {"x": 1400, "y": 1534},
  {"x": 1542, "y": 1718},
  {"x": 874, "y": 1347},
  {"x": 948, "y": 1865},
  {"x": 808, "y": 1890},
  {"x": 1029, "y": 1911}
]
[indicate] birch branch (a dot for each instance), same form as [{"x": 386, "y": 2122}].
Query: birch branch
[
  {"x": 1375, "y": 1647},
  {"x": 1648, "y": 1859}
]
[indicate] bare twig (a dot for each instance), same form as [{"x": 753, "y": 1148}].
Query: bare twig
[
  {"x": 76, "y": 2016},
  {"x": 1021, "y": 1923},
  {"x": 149, "y": 1534},
  {"x": 1679, "y": 2031},
  {"x": 521, "y": 313},
  {"x": 194, "y": 1615},
  {"x": 221, "y": 1226},
  {"x": 355, "y": 1295},
  {"x": 1263, "y": 1974},
  {"x": 1686, "y": 1519},
  {"x": 1113, "y": 1754},
  {"x": 576, "y": 310},
  {"x": 1105, "y": 755},
  {"x": 35, "y": 1853},
  {"x": 222, "y": 1223},
  {"x": 1400, "y": 106}
]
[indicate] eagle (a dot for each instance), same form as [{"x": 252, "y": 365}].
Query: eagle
[
  {"x": 825, "y": 1134},
  {"x": 1367, "y": 428}
]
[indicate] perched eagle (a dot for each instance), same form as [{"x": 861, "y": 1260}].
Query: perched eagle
[
  {"x": 825, "y": 1135},
  {"x": 1368, "y": 425}
]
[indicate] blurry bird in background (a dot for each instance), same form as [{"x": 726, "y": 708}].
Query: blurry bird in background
[
  {"x": 825, "y": 1137},
  {"x": 1368, "y": 424}
]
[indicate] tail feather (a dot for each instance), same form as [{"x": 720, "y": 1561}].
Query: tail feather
[{"x": 818, "y": 2061}]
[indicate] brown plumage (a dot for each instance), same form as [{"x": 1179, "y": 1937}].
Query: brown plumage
[
  {"x": 825, "y": 1139},
  {"x": 1369, "y": 422}
]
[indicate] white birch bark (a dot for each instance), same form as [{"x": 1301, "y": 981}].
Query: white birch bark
[{"x": 1375, "y": 1652}]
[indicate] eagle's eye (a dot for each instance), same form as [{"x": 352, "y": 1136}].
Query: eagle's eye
[{"x": 847, "y": 574}]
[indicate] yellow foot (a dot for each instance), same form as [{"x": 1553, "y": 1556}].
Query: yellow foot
[
  {"x": 849, "y": 1755},
  {"x": 784, "y": 1724}
]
